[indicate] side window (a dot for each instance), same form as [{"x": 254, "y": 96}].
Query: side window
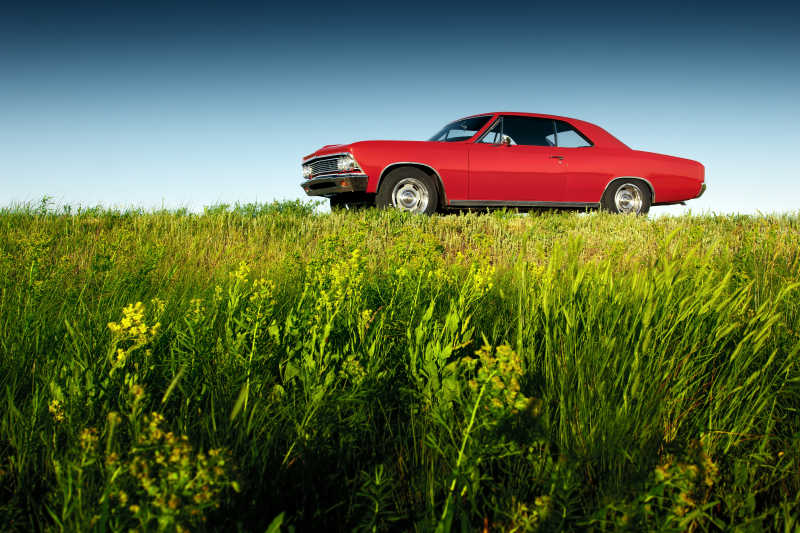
[
  {"x": 528, "y": 131},
  {"x": 569, "y": 137}
]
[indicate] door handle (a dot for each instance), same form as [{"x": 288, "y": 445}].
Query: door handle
[{"x": 556, "y": 157}]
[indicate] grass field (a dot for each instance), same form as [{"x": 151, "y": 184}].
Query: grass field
[{"x": 266, "y": 365}]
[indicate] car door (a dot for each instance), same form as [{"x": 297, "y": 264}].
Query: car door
[
  {"x": 527, "y": 167},
  {"x": 586, "y": 167}
]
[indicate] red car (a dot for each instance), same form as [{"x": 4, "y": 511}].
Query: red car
[{"x": 518, "y": 160}]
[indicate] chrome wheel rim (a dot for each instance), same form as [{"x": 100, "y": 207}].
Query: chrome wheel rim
[
  {"x": 410, "y": 194},
  {"x": 628, "y": 198}
]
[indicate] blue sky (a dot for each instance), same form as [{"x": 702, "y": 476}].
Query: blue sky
[{"x": 190, "y": 104}]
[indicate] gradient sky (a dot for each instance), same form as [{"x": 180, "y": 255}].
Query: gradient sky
[{"x": 187, "y": 104}]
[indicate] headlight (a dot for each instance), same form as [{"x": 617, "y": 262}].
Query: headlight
[
  {"x": 306, "y": 171},
  {"x": 346, "y": 162}
]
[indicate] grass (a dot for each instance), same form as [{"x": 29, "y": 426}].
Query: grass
[{"x": 265, "y": 366}]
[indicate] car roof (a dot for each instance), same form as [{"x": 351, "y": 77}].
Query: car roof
[
  {"x": 522, "y": 114},
  {"x": 597, "y": 134}
]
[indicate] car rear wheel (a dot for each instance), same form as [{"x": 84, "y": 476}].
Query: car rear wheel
[
  {"x": 627, "y": 197},
  {"x": 409, "y": 189}
]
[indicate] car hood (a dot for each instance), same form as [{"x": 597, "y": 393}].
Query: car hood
[
  {"x": 329, "y": 149},
  {"x": 339, "y": 148}
]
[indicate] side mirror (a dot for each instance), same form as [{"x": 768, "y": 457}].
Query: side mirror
[{"x": 505, "y": 140}]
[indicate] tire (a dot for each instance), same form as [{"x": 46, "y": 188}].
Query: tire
[
  {"x": 409, "y": 189},
  {"x": 627, "y": 197},
  {"x": 350, "y": 201},
  {"x": 338, "y": 203}
]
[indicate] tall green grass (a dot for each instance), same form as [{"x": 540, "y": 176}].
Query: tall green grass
[{"x": 264, "y": 365}]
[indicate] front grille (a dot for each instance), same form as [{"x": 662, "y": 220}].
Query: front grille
[{"x": 324, "y": 166}]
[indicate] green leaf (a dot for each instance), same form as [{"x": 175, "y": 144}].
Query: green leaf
[
  {"x": 240, "y": 401},
  {"x": 275, "y": 525}
]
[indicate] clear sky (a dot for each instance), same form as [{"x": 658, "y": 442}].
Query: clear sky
[{"x": 187, "y": 104}]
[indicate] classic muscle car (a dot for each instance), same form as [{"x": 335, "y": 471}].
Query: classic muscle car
[{"x": 518, "y": 160}]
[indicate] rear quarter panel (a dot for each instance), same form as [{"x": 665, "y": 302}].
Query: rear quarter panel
[{"x": 591, "y": 169}]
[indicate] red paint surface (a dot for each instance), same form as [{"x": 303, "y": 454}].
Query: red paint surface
[{"x": 474, "y": 171}]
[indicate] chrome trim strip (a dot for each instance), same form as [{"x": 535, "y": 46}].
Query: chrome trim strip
[
  {"x": 652, "y": 189},
  {"x": 435, "y": 173},
  {"x": 514, "y": 203},
  {"x": 479, "y": 140},
  {"x": 335, "y": 175}
]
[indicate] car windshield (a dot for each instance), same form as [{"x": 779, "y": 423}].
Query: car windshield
[{"x": 461, "y": 130}]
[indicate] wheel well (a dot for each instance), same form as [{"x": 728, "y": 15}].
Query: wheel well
[
  {"x": 632, "y": 178},
  {"x": 437, "y": 180}
]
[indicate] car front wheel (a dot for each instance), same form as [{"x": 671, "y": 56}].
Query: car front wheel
[
  {"x": 627, "y": 196},
  {"x": 350, "y": 201},
  {"x": 338, "y": 203},
  {"x": 409, "y": 189}
]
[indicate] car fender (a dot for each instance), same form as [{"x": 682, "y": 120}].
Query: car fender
[
  {"x": 437, "y": 178},
  {"x": 647, "y": 181}
]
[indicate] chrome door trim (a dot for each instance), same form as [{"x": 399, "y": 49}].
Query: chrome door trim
[{"x": 514, "y": 203}]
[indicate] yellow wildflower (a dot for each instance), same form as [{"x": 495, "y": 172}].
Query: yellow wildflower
[
  {"x": 137, "y": 391},
  {"x": 88, "y": 439},
  {"x": 56, "y": 409},
  {"x": 241, "y": 273}
]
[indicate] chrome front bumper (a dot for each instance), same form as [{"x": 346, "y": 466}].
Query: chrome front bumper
[{"x": 335, "y": 184}]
